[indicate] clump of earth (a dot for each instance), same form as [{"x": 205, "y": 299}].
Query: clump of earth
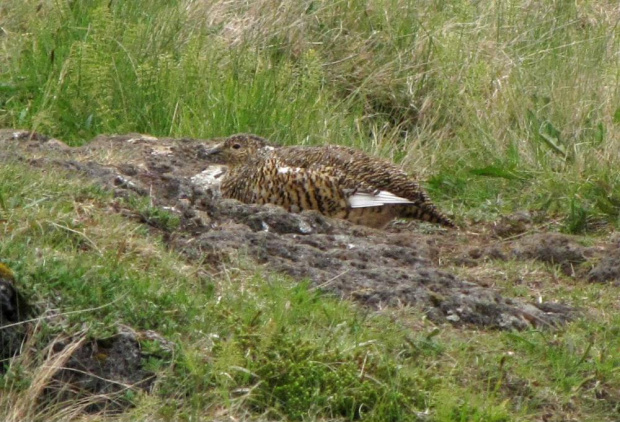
[
  {"x": 409, "y": 264},
  {"x": 100, "y": 372}
]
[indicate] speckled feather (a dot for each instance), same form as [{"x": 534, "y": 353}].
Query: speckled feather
[{"x": 337, "y": 181}]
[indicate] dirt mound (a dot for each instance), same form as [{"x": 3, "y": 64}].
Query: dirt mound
[
  {"x": 103, "y": 373},
  {"x": 608, "y": 267},
  {"x": 374, "y": 268},
  {"x": 553, "y": 248},
  {"x": 396, "y": 267}
]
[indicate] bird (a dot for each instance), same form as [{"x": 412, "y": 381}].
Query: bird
[{"x": 337, "y": 181}]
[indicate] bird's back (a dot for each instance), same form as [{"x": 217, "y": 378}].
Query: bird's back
[
  {"x": 268, "y": 180},
  {"x": 370, "y": 173}
]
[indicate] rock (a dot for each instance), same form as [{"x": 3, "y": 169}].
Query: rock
[
  {"x": 608, "y": 268},
  {"x": 14, "y": 311}
]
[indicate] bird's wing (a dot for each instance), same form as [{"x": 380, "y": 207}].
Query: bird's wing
[
  {"x": 361, "y": 199},
  {"x": 315, "y": 157},
  {"x": 332, "y": 181},
  {"x": 358, "y": 193}
]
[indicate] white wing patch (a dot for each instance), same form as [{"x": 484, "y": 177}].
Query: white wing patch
[
  {"x": 284, "y": 170},
  {"x": 368, "y": 199}
]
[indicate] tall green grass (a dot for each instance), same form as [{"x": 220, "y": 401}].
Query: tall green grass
[
  {"x": 96, "y": 67},
  {"x": 392, "y": 60},
  {"x": 502, "y": 106}
]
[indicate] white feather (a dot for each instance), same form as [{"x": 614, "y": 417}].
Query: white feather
[
  {"x": 369, "y": 199},
  {"x": 284, "y": 170}
]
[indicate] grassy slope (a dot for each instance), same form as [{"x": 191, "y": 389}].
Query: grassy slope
[{"x": 500, "y": 107}]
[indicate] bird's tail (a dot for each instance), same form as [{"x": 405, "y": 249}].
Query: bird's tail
[{"x": 427, "y": 212}]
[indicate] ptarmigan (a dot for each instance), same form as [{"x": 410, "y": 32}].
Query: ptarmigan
[{"x": 337, "y": 181}]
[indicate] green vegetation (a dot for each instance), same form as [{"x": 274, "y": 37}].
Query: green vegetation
[{"x": 500, "y": 106}]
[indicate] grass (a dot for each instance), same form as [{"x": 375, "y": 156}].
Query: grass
[
  {"x": 499, "y": 107},
  {"x": 251, "y": 345},
  {"x": 508, "y": 105}
]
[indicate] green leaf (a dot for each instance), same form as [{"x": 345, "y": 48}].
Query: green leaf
[
  {"x": 599, "y": 135},
  {"x": 553, "y": 143},
  {"x": 617, "y": 115}
]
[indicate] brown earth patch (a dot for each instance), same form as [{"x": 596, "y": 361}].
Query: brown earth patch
[{"x": 102, "y": 373}]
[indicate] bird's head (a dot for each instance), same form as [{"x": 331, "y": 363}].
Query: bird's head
[{"x": 236, "y": 149}]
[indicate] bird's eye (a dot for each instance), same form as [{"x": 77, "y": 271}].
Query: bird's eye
[{"x": 236, "y": 146}]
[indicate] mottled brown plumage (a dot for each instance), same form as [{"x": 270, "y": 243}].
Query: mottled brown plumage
[{"x": 337, "y": 181}]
